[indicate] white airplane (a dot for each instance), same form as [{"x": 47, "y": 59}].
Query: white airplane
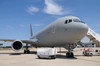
[{"x": 64, "y": 32}]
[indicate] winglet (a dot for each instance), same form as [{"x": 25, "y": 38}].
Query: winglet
[{"x": 31, "y": 32}]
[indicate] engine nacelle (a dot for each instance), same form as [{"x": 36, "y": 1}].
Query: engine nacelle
[{"x": 17, "y": 45}]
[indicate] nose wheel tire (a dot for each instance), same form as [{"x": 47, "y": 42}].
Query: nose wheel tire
[{"x": 69, "y": 54}]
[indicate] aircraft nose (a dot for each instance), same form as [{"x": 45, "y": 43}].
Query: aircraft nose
[{"x": 81, "y": 29}]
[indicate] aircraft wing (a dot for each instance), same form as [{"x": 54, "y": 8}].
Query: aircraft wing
[
  {"x": 10, "y": 40},
  {"x": 29, "y": 41},
  {"x": 24, "y": 41}
]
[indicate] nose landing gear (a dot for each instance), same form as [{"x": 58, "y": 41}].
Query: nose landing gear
[{"x": 69, "y": 54}]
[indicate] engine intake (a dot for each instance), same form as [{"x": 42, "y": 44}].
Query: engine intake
[{"x": 17, "y": 45}]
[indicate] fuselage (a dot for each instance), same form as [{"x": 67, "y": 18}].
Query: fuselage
[{"x": 66, "y": 30}]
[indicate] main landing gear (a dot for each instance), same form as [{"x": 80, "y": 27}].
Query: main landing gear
[
  {"x": 69, "y": 54},
  {"x": 27, "y": 50}
]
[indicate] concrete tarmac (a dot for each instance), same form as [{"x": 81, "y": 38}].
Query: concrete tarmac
[{"x": 11, "y": 58}]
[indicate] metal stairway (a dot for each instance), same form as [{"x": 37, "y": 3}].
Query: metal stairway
[{"x": 93, "y": 36}]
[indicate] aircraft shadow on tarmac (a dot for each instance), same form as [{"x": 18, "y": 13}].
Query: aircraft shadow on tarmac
[
  {"x": 32, "y": 52},
  {"x": 64, "y": 57},
  {"x": 59, "y": 57}
]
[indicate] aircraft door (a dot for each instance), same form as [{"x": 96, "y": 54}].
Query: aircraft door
[{"x": 53, "y": 29}]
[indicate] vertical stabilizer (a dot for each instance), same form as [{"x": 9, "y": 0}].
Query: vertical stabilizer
[{"x": 31, "y": 32}]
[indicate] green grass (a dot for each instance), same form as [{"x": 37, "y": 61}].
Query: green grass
[
  {"x": 9, "y": 49},
  {"x": 5, "y": 48}
]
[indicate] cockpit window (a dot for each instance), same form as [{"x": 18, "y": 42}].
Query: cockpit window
[
  {"x": 76, "y": 20},
  {"x": 70, "y": 20},
  {"x": 66, "y": 21},
  {"x": 73, "y": 20}
]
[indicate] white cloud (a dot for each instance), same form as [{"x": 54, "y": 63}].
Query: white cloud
[
  {"x": 22, "y": 25},
  {"x": 32, "y": 10},
  {"x": 53, "y": 8},
  {"x": 36, "y": 25},
  {"x": 9, "y": 27}
]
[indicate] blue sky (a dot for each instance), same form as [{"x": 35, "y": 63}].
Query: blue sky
[{"x": 16, "y": 15}]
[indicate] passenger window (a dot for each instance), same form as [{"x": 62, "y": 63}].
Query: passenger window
[
  {"x": 70, "y": 20},
  {"x": 66, "y": 21}
]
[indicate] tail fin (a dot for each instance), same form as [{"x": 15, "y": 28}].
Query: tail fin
[{"x": 31, "y": 32}]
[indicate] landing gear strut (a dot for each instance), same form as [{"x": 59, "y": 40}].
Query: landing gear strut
[
  {"x": 27, "y": 51},
  {"x": 69, "y": 54}
]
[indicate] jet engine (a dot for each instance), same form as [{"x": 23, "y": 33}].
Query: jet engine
[{"x": 17, "y": 45}]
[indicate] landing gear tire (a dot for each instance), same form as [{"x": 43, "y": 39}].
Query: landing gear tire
[
  {"x": 26, "y": 51},
  {"x": 69, "y": 55},
  {"x": 53, "y": 57}
]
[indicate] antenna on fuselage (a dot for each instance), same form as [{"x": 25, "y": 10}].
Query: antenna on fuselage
[{"x": 31, "y": 32}]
